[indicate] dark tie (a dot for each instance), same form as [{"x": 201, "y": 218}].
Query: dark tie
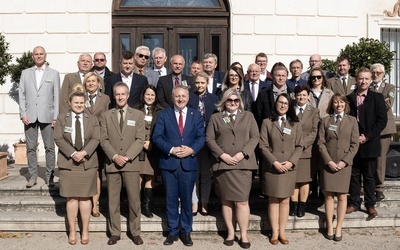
[
  {"x": 78, "y": 134},
  {"x": 121, "y": 119},
  {"x": 282, "y": 123},
  {"x": 300, "y": 114},
  {"x": 232, "y": 119},
  {"x": 91, "y": 99},
  {"x": 141, "y": 71},
  {"x": 344, "y": 83},
  {"x": 177, "y": 81},
  {"x": 159, "y": 72},
  {"x": 180, "y": 123},
  {"x": 338, "y": 117}
]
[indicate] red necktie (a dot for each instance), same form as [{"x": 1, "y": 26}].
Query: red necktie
[
  {"x": 177, "y": 81},
  {"x": 180, "y": 123}
]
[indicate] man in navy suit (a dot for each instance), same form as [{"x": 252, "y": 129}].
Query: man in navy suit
[
  {"x": 179, "y": 135},
  {"x": 210, "y": 62},
  {"x": 254, "y": 84},
  {"x": 135, "y": 82}
]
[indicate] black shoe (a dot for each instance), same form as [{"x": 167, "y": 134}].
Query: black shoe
[
  {"x": 170, "y": 240},
  {"x": 337, "y": 238},
  {"x": 379, "y": 195},
  {"x": 186, "y": 240},
  {"x": 147, "y": 196},
  {"x": 204, "y": 213},
  {"x": 293, "y": 208},
  {"x": 229, "y": 242},
  {"x": 113, "y": 240},
  {"x": 301, "y": 210},
  {"x": 244, "y": 245},
  {"x": 50, "y": 182}
]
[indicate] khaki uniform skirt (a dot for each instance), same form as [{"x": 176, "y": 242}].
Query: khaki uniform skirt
[
  {"x": 78, "y": 182},
  {"x": 233, "y": 185}
]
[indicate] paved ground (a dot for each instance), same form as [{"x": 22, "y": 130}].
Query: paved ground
[{"x": 387, "y": 239}]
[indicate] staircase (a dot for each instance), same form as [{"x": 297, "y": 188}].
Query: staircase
[{"x": 43, "y": 209}]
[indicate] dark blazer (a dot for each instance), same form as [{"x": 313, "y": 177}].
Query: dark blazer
[
  {"x": 210, "y": 101},
  {"x": 165, "y": 86},
  {"x": 166, "y": 135},
  {"x": 263, "y": 85},
  {"x": 218, "y": 78},
  {"x": 265, "y": 103},
  {"x": 107, "y": 73},
  {"x": 373, "y": 119},
  {"x": 137, "y": 86}
]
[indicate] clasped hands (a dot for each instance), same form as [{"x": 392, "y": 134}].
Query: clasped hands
[
  {"x": 121, "y": 160},
  {"x": 182, "y": 151},
  {"x": 283, "y": 167},
  {"x": 79, "y": 156},
  {"x": 232, "y": 160},
  {"x": 336, "y": 166}
]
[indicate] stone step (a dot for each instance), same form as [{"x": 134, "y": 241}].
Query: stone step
[{"x": 314, "y": 220}]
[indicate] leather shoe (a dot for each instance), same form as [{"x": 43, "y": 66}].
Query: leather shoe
[
  {"x": 170, "y": 240},
  {"x": 72, "y": 242},
  {"x": 330, "y": 237},
  {"x": 372, "y": 213},
  {"x": 337, "y": 238},
  {"x": 31, "y": 183},
  {"x": 186, "y": 240},
  {"x": 283, "y": 241},
  {"x": 273, "y": 241},
  {"x": 95, "y": 214},
  {"x": 137, "y": 240},
  {"x": 379, "y": 196},
  {"x": 194, "y": 213},
  {"x": 229, "y": 242},
  {"x": 244, "y": 245},
  {"x": 350, "y": 209},
  {"x": 113, "y": 240},
  {"x": 84, "y": 241}
]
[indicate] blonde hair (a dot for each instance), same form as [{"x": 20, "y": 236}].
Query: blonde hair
[
  {"x": 228, "y": 93},
  {"x": 77, "y": 90}
]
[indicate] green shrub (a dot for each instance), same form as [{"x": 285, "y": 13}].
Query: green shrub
[
  {"x": 23, "y": 62},
  {"x": 5, "y": 59}
]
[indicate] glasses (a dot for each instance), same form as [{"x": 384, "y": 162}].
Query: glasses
[
  {"x": 377, "y": 73},
  {"x": 236, "y": 101},
  {"x": 234, "y": 76},
  {"x": 99, "y": 60},
  {"x": 282, "y": 103},
  {"x": 316, "y": 77},
  {"x": 141, "y": 56}
]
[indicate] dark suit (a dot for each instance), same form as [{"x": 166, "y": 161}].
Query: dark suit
[
  {"x": 262, "y": 85},
  {"x": 137, "y": 86},
  {"x": 179, "y": 174},
  {"x": 128, "y": 143},
  {"x": 372, "y": 120},
  {"x": 292, "y": 83},
  {"x": 165, "y": 86},
  {"x": 218, "y": 78}
]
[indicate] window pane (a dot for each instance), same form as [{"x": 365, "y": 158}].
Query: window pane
[
  {"x": 125, "y": 42},
  {"x": 152, "y": 41},
  {"x": 188, "y": 49},
  {"x": 215, "y": 48},
  {"x": 170, "y": 3}
]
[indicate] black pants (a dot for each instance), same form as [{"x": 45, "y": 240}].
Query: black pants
[{"x": 367, "y": 168}]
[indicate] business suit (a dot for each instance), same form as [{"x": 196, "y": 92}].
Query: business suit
[
  {"x": 337, "y": 144},
  {"x": 137, "y": 85},
  {"x": 336, "y": 85},
  {"x": 74, "y": 182},
  {"x": 388, "y": 91},
  {"x": 261, "y": 85},
  {"x": 218, "y": 78},
  {"x": 322, "y": 102},
  {"x": 372, "y": 120},
  {"x": 179, "y": 174},
  {"x": 275, "y": 145},
  {"x": 165, "y": 86},
  {"x": 151, "y": 75},
  {"x": 41, "y": 106},
  {"x": 107, "y": 74},
  {"x": 128, "y": 142}
]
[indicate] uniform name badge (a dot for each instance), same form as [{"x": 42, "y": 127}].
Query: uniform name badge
[
  {"x": 332, "y": 127},
  {"x": 287, "y": 131},
  {"x": 148, "y": 118},
  {"x": 131, "y": 123},
  {"x": 353, "y": 87},
  {"x": 68, "y": 130},
  {"x": 87, "y": 104}
]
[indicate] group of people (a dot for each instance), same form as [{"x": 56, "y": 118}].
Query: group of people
[{"x": 204, "y": 128}]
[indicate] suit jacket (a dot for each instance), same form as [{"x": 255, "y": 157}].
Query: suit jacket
[
  {"x": 129, "y": 142},
  {"x": 223, "y": 137},
  {"x": 218, "y": 78},
  {"x": 309, "y": 126},
  {"x": 165, "y": 86},
  {"x": 166, "y": 135},
  {"x": 340, "y": 144},
  {"x": 292, "y": 83},
  {"x": 137, "y": 86},
  {"x": 39, "y": 104},
  {"x": 265, "y": 103},
  {"x": 70, "y": 80},
  {"x": 63, "y": 140},
  {"x": 99, "y": 107},
  {"x": 335, "y": 84},
  {"x": 323, "y": 103},
  {"x": 210, "y": 101},
  {"x": 151, "y": 75},
  {"x": 373, "y": 119},
  {"x": 262, "y": 85},
  {"x": 278, "y": 146},
  {"x": 388, "y": 91}
]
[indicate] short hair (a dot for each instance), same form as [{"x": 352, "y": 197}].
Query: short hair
[
  {"x": 127, "y": 55},
  {"x": 261, "y": 54},
  {"x": 179, "y": 87},
  {"x": 158, "y": 49},
  {"x": 309, "y": 82},
  {"x": 172, "y": 57},
  {"x": 341, "y": 97},
  {"x": 208, "y": 55},
  {"x": 77, "y": 90},
  {"x": 39, "y": 47},
  {"x": 228, "y": 93},
  {"x": 225, "y": 81},
  {"x": 121, "y": 84},
  {"x": 253, "y": 65},
  {"x": 342, "y": 58},
  {"x": 201, "y": 74},
  {"x": 84, "y": 54},
  {"x": 376, "y": 65},
  {"x": 142, "y": 47},
  {"x": 295, "y": 61},
  {"x": 363, "y": 70},
  {"x": 196, "y": 61},
  {"x": 279, "y": 66},
  {"x": 291, "y": 116},
  {"x": 99, "y": 53},
  {"x": 301, "y": 87}
]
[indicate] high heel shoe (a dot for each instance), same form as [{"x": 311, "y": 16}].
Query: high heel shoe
[
  {"x": 273, "y": 241},
  {"x": 283, "y": 241},
  {"x": 72, "y": 241},
  {"x": 84, "y": 241}
]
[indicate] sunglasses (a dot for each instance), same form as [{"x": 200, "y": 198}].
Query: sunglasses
[
  {"x": 377, "y": 73},
  {"x": 141, "y": 56},
  {"x": 99, "y": 60},
  {"x": 233, "y": 100},
  {"x": 319, "y": 77}
]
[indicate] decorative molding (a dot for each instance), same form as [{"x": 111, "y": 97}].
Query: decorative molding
[{"x": 396, "y": 10}]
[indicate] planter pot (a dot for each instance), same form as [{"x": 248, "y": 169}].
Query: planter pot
[
  {"x": 3, "y": 165},
  {"x": 20, "y": 153}
]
